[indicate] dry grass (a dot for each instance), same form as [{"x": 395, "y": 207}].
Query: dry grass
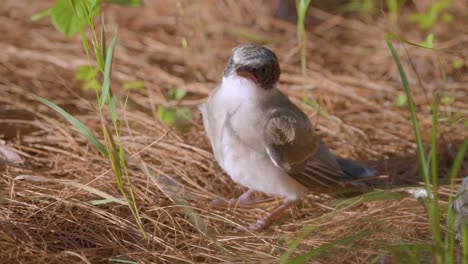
[{"x": 350, "y": 72}]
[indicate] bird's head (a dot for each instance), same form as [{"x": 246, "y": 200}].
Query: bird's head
[{"x": 255, "y": 63}]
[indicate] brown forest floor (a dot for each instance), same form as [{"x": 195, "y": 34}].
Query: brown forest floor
[{"x": 350, "y": 72}]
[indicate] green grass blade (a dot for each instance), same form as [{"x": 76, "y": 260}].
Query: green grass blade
[
  {"x": 433, "y": 207},
  {"x": 302, "y": 7},
  {"x": 457, "y": 163},
  {"x": 103, "y": 38},
  {"x": 304, "y": 258},
  {"x": 450, "y": 240},
  {"x": 76, "y": 123},
  {"x": 41, "y": 15},
  {"x": 107, "y": 71},
  {"x": 99, "y": 57},
  {"x": 393, "y": 36},
  {"x": 412, "y": 110},
  {"x": 435, "y": 211},
  {"x": 346, "y": 204},
  {"x": 435, "y": 124}
]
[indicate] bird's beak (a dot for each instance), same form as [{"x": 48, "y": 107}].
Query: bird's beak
[{"x": 246, "y": 72}]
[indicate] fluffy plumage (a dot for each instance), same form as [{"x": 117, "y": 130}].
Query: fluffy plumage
[{"x": 261, "y": 139}]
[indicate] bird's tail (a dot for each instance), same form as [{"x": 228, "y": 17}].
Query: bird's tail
[{"x": 353, "y": 169}]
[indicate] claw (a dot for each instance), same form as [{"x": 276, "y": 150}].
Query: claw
[{"x": 270, "y": 218}]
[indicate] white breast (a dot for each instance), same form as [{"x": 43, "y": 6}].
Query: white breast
[{"x": 233, "y": 121}]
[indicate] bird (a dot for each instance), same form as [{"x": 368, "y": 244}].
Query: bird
[{"x": 263, "y": 141}]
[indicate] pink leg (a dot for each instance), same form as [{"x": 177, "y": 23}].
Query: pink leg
[
  {"x": 270, "y": 218},
  {"x": 243, "y": 200}
]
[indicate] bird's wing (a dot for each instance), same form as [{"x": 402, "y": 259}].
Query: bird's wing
[{"x": 293, "y": 146}]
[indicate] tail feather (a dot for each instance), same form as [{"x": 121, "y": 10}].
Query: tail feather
[{"x": 353, "y": 169}]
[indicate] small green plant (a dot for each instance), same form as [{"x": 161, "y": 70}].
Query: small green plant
[
  {"x": 83, "y": 10},
  {"x": 175, "y": 116},
  {"x": 428, "y": 19},
  {"x": 73, "y": 16}
]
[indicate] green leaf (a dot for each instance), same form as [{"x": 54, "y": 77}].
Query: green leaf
[
  {"x": 126, "y": 2},
  {"x": 429, "y": 42},
  {"x": 457, "y": 64},
  {"x": 41, "y": 14},
  {"x": 107, "y": 70},
  {"x": 135, "y": 85},
  {"x": 176, "y": 94},
  {"x": 448, "y": 100},
  {"x": 76, "y": 123},
  {"x": 401, "y": 100},
  {"x": 166, "y": 115},
  {"x": 86, "y": 73},
  {"x": 69, "y": 17}
]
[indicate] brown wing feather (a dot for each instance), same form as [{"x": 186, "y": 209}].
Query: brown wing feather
[
  {"x": 320, "y": 169},
  {"x": 293, "y": 146}
]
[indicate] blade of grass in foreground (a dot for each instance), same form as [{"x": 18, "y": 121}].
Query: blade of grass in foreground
[
  {"x": 412, "y": 110},
  {"x": 433, "y": 207},
  {"x": 343, "y": 206},
  {"x": 304, "y": 258},
  {"x": 76, "y": 123}
]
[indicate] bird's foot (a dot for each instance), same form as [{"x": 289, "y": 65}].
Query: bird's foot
[{"x": 270, "y": 218}]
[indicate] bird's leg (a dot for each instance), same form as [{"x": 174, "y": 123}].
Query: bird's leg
[
  {"x": 243, "y": 200},
  {"x": 267, "y": 220}
]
